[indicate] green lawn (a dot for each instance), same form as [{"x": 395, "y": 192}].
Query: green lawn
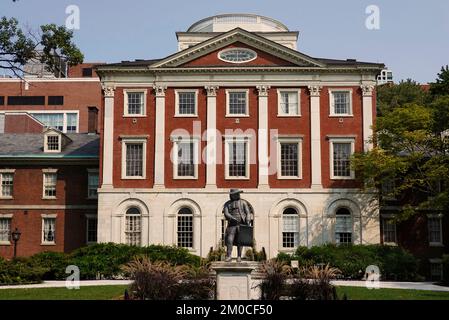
[
  {"x": 116, "y": 292},
  {"x": 84, "y": 293},
  {"x": 360, "y": 293}
]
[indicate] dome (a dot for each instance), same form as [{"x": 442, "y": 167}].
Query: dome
[{"x": 249, "y": 22}]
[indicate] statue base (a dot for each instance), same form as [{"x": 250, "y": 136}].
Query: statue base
[{"x": 236, "y": 280}]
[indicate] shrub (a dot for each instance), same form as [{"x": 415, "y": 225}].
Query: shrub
[
  {"x": 445, "y": 269},
  {"x": 394, "y": 262},
  {"x": 253, "y": 255},
  {"x": 216, "y": 254},
  {"x": 55, "y": 263},
  {"x": 315, "y": 285},
  {"x": 273, "y": 285},
  {"x": 20, "y": 272}
]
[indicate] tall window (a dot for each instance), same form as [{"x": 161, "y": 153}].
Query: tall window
[
  {"x": 290, "y": 228},
  {"x": 92, "y": 187},
  {"x": 48, "y": 230},
  {"x": 341, "y": 103},
  {"x": 185, "y": 228},
  {"x": 133, "y": 228},
  {"x": 389, "y": 230},
  {"x": 91, "y": 229},
  {"x": 435, "y": 231},
  {"x": 341, "y": 159},
  {"x": 288, "y": 103},
  {"x": 186, "y": 103},
  {"x": 50, "y": 180},
  {"x": 135, "y": 103},
  {"x": 289, "y": 159},
  {"x": 72, "y": 122},
  {"x": 185, "y": 166},
  {"x": 237, "y": 159},
  {"x": 343, "y": 226},
  {"x": 5, "y": 230},
  {"x": 6, "y": 184},
  {"x": 237, "y": 103},
  {"x": 134, "y": 159}
]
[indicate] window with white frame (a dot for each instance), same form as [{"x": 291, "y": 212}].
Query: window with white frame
[
  {"x": 91, "y": 229},
  {"x": 66, "y": 122},
  {"x": 343, "y": 226},
  {"x": 52, "y": 143},
  {"x": 135, "y": 103},
  {"x": 389, "y": 230},
  {"x": 92, "y": 184},
  {"x": 434, "y": 224},
  {"x": 237, "y": 158},
  {"x": 6, "y": 184},
  {"x": 341, "y": 151},
  {"x": 288, "y": 103},
  {"x": 290, "y": 228},
  {"x": 340, "y": 102},
  {"x": 133, "y": 227},
  {"x": 5, "y": 230},
  {"x": 436, "y": 270},
  {"x": 185, "y": 158},
  {"x": 186, "y": 103},
  {"x": 48, "y": 230},
  {"x": 134, "y": 159},
  {"x": 50, "y": 180},
  {"x": 237, "y": 103},
  {"x": 289, "y": 158},
  {"x": 185, "y": 228}
]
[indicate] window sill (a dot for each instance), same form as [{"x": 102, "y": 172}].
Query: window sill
[
  {"x": 47, "y": 244},
  {"x": 133, "y": 178},
  {"x": 289, "y": 116},
  {"x": 237, "y": 178},
  {"x": 49, "y": 198},
  {"x": 237, "y": 116},
  {"x": 436, "y": 245},
  {"x": 134, "y": 115},
  {"x": 342, "y": 178},
  {"x": 5, "y": 243},
  {"x": 341, "y": 116},
  {"x": 185, "y": 116},
  {"x": 391, "y": 244},
  {"x": 6, "y": 198},
  {"x": 289, "y": 178}
]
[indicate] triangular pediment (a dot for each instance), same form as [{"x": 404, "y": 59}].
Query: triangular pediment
[{"x": 269, "y": 53}]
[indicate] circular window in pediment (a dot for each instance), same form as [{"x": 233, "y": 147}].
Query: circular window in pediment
[{"x": 237, "y": 55}]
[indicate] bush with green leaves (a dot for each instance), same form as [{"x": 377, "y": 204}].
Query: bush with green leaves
[
  {"x": 19, "y": 271},
  {"x": 394, "y": 263}
]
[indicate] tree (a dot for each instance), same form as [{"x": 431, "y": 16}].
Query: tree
[
  {"x": 412, "y": 149},
  {"x": 51, "y": 45},
  {"x": 441, "y": 86}
]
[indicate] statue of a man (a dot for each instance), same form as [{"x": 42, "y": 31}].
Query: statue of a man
[{"x": 236, "y": 212}]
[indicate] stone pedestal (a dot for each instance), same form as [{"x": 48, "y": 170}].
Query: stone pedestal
[{"x": 235, "y": 281}]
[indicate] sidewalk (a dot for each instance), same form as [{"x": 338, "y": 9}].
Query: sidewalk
[{"x": 427, "y": 286}]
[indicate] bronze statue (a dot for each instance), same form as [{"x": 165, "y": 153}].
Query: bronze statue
[{"x": 237, "y": 213}]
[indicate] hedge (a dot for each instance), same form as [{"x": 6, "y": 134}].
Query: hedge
[
  {"x": 394, "y": 263},
  {"x": 98, "y": 261}
]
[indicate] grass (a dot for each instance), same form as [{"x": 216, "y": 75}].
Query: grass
[
  {"x": 116, "y": 292},
  {"x": 84, "y": 293},
  {"x": 361, "y": 293}
]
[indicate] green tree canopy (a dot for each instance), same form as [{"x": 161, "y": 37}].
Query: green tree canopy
[{"x": 49, "y": 46}]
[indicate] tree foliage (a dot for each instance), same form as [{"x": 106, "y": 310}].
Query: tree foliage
[
  {"x": 412, "y": 146},
  {"x": 49, "y": 45}
]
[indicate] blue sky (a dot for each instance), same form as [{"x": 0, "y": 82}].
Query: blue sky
[{"x": 413, "y": 39}]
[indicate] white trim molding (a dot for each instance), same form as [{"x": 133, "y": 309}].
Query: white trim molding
[
  {"x": 332, "y": 103},
  {"x": 189, "y": 115},
  {"x": 196, "y": 154},
  {"x": 289, "y": 139},
  {"x": 241, "y": 139},
  {"x": 333, "y": 140}
]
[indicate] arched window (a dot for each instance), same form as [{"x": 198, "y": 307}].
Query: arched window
[
  {"x": 343, "y": 226},
  {"x": 133, "y": 228},
  {"x": 185, "y": 228},
  {"x": 290, "y": 228}
]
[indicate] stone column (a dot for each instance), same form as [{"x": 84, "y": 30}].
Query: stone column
[
  {"x": 367, "y": 92},
  {"x": 211, "y": 136},
  {"x": 315, "y": 136},
  {"x": 263, "y": 136},
  {"x": 108, "y": 137},
  {"x": 159, "y": 145}
]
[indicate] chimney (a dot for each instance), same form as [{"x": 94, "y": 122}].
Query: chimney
[{"x": 92, "y": 126}]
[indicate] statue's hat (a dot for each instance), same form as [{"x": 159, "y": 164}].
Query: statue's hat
[{"x": 234, "y": 191}]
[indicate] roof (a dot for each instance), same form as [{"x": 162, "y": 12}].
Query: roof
[{"x": 28, "y": 145}]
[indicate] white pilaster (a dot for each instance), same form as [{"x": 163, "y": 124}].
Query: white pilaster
[
  {"x": 211, "y": 136},
  {"x": 367, "y": 91},
  {"x": 108, "y": 137},
  {"x": 315, "y": 136},
  {"x": 159, "y": 148},
  {"x": 263, "y": 136}
]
